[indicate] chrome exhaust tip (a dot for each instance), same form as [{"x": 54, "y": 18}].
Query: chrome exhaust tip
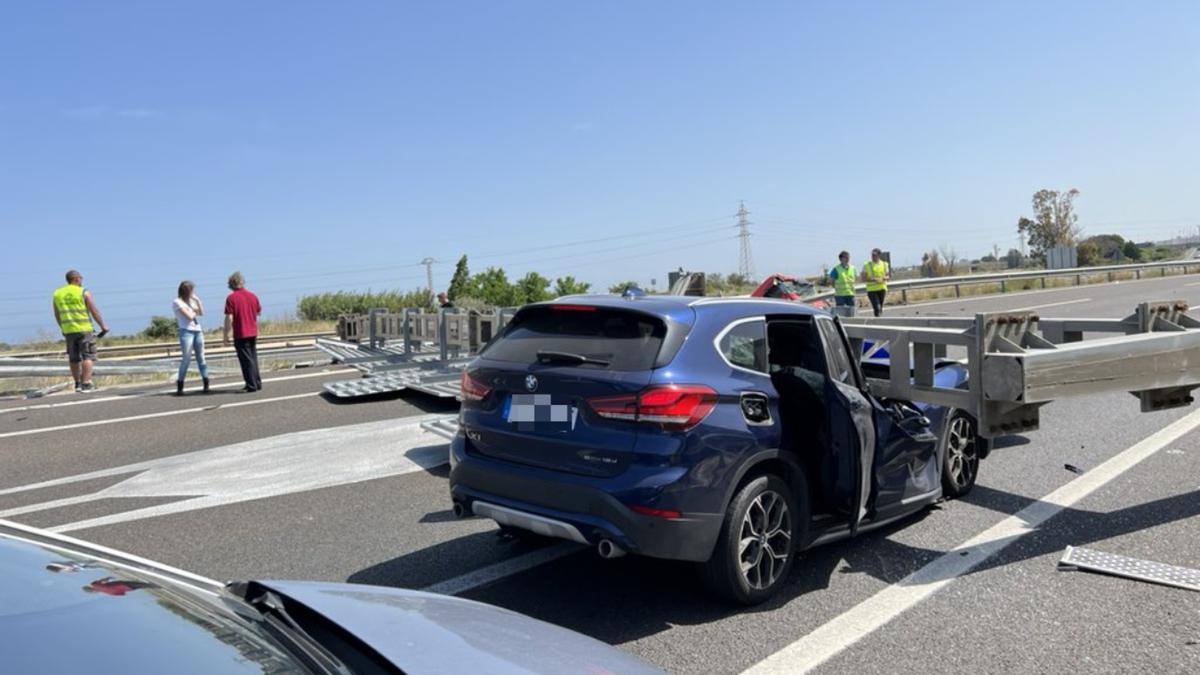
[{"x": 608, "y": 550}]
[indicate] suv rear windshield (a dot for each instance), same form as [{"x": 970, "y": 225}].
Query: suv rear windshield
[{"x": 626, "y": 340}]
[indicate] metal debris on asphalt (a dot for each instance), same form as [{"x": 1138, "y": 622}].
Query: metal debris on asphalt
[{"x": 1089, "y": 560}]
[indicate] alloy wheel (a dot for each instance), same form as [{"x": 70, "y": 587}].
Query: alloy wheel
[
  {"x": 765, "y": 540},
  {"x": 962, "y": 459}
]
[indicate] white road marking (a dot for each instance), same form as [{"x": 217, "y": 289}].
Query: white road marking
[
  {"x": 147, "y": 416},
  {"x": 1049, "y": 304},
  {"x": 863, "y": 619},
  {"x": 1195, "y": 284},
  {"x": 160, "y": 392},
  {"x": 278, "y": 465},
  {"x": 505, "y": 568}
]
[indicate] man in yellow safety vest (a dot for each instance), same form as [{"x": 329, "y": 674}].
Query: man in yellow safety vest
[
  {"x": 74, "y": 310},
  {"x": 876, "y": 273},
  {"x": 844, "y": 275}
]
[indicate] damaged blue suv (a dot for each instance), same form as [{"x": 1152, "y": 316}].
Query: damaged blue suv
[{"x": 732, "y": 432}]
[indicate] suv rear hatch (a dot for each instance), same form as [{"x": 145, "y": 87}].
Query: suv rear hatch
[{"x": 536, "y": 378}]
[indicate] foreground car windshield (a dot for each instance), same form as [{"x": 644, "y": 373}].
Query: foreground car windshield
[{"x": 53, "y": 599}]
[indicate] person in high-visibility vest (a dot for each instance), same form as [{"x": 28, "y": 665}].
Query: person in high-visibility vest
[
  {"x": 74, "y": 310},
  {"x": 844, "y": 275},
  {"x": 876, "y": 273}
]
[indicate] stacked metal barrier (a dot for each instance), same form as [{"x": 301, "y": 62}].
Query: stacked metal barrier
[{"x": 411, "y": 349}]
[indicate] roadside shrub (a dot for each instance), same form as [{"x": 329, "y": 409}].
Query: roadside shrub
[
  {"x": 161, "y": 327},
  {"x": 328, "y": 306}
]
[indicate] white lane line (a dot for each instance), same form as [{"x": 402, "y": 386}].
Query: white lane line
[
  {"x": 265, "y": 467},
  {"x": 1195, "y": 284},
  {"x": 863, "y": 619},
  {"x": 159, "y": 392},
  {"x": 505, "y": 568},
  {"x": 147, "y": 416},
  {"x": 1049, "y": 304}
]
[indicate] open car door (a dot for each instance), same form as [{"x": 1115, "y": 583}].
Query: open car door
[{"x": 851, "y": 423}]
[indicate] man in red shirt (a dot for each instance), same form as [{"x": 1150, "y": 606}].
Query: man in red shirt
[{"x": 241, "y": 316}]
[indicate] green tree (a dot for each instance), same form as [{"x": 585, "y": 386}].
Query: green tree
[
  {"x": 623, "y": 286},
  {"x": 715, "y": 283},
  {"x": 1087, "y": 253},
  {"x": 460, "y": 283},
  {"x": 1054, "y": 223},
  {"x": 160, "y": 327},
  {"x": 932, "y": 265},
  {"x": 568, "y": 286},
  {"x": 1108, "y": 246},
  {"x": 735, "y": 282},
  {"x": 532, "y": 287},
  {"x": 492, "y": 287},
  {"x": 1131, "y": 251}
]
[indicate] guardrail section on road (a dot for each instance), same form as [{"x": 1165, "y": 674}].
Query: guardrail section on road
[{"x": 1018, "y": 361}]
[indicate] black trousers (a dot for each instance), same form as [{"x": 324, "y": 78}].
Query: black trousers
[
  {"x": 876, "y": 298},
  {"x": 247, "y": 353}
]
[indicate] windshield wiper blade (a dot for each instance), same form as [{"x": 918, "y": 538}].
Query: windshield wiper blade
[
  {"x": 271, "y": 606},
  {"x": 568, "y": 357}
]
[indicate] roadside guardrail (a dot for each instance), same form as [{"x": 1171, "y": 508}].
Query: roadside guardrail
[
  {"x": 1004, "y": 278},
  {"x": 167, "y": 348}
]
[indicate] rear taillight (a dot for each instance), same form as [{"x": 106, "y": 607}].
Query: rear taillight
[
  {"x": 473, "y": 389},
  {"x": 671, "y": 406}
]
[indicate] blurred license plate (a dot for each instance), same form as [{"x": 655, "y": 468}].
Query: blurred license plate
[{"x": 530, "y": 408}]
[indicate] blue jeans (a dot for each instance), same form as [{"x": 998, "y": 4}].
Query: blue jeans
[
  {"x": 843, "y": 300},
  {"x": 189, "y": 341}
]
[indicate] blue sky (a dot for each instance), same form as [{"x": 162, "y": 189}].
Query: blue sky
[{"x": 324, "y": 146}]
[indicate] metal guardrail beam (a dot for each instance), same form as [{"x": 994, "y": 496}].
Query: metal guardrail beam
[
  {"x": 169, "y": 347},
  {"x": 1016, "y": 365},
  {"x": 904, "y": 285}
]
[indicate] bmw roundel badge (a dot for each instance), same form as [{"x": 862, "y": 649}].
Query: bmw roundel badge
[{"x": 531, "y": 382}]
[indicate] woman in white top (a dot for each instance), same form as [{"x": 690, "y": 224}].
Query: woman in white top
[{"x": 188, "y": 310}]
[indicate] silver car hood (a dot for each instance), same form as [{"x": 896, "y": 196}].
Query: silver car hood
[{"x": 428, "y": 633}]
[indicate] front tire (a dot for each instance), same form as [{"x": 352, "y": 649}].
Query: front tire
[
  {"x": 960, "y": 460},
  {"x": 759, "y": 537}
]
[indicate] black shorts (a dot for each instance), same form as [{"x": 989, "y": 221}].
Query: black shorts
[{"x": 81, "y": 346}]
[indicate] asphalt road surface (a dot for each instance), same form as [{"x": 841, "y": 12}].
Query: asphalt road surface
[{"x": 287, "y": 483}]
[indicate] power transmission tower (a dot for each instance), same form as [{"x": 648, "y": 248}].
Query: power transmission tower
[
  {"x": 745, "y": 261},
  {"x": 428, "y": 263}
]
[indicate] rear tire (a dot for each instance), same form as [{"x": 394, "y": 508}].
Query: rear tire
[
  {"x": 960, "y": 459},
  {"x": 763, "y": 527}
]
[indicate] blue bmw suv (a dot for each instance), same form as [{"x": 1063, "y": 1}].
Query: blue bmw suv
[{"x": 732, "y": 432}]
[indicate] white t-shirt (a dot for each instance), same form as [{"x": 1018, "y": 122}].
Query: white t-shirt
[{"x": 181, "y": 318}]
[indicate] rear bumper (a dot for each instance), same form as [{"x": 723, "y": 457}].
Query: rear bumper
[{"x": 582, "y": 513}]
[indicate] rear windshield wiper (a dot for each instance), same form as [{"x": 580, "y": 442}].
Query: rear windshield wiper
[{"x": 568, "y": 357}]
